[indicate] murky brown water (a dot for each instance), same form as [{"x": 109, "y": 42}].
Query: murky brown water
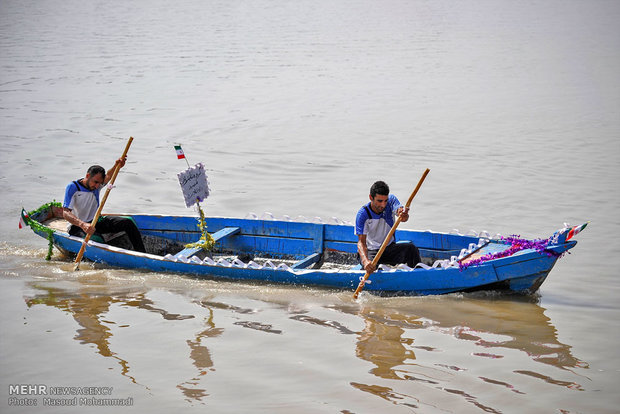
[{"x": 295, "y": 108}]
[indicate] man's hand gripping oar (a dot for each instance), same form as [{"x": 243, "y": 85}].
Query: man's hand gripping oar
[{"x": 385, "y": 243}]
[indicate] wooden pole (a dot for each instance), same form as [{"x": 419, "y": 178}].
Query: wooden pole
[
  {"x": 117, "y": 168},
  {"x": 389, "y": 236}
]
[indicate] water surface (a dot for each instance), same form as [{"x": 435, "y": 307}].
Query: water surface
[{"x": 296, "y": 108}]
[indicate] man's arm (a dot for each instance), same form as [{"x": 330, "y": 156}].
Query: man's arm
[
  {"x": 120, "y": 163},
  {"x": 68, "y": 215},
  {"x": 362, "y": 249}
]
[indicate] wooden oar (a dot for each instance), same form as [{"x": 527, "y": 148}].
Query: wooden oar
[
  {"x": 389, "y": 236},
  {"x": 117, "y": 168}
]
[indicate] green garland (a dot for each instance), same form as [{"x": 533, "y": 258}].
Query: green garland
[
  {"x": 206, "y": 241},
  {"x": 38, "y": 227}
]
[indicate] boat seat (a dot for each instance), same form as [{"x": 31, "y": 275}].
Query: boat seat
[
  {"x": 307, "y": 261},
  {"x": 114, "y": 239},
  {"x": 217, "y": 236}
]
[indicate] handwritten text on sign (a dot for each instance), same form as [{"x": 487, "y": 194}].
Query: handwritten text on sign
[{"x": 194, "y": 184}]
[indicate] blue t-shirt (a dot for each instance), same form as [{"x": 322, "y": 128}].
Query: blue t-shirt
[
  {"x": 81, "y": 201},
  {"x": 376, "y": 226}
]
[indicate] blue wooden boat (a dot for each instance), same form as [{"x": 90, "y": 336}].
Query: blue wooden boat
[{"x": 316, "y": 254}]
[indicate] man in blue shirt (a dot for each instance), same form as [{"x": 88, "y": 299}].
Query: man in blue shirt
[
  {"x": 82, "y": 201},
  {"x": 373, "y": 223}
]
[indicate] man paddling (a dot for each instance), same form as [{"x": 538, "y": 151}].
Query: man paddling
[
  {"x": 81, "y": 203},
  {"x": 373, "y": 223}
]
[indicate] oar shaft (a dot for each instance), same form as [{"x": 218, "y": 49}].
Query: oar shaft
[
  {"x": 386, "y": 242},
  {"x": 117, "y": 168},
  {"x": 417, "y": 187}
]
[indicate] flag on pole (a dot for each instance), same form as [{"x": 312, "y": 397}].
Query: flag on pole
[
  {"x": 179, "y": 150},
  {"x": 575, "y": 230},
  {"x": 23, "y": 219}
]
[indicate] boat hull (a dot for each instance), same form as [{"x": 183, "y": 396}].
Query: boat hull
[{"x": 522, "y": 272}]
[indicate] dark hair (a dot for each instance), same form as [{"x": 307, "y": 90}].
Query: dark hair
[
  {"x": 379, "y": 187},
  {"x": 96, "y": 169}
]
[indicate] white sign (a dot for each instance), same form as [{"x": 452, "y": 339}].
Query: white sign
[{"x": 194, "y": 184}]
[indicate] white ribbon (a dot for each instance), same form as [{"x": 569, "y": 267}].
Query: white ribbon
[
  {"x": 269, "y": 264},
  {"x": 253, "y": 265},
  {"x": 267, "y": 216},
  {"x": 238, "y": 263},
  {"x": 224, "y": 262},
  {"x": 170, "y": 257}
]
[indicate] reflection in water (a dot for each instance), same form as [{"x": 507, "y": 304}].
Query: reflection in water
[
  {"x": 90, "y": 311},
  {"x": 388, "y": 394},
  {"x": 87, "y": 311},
  {"x": 473, "y": 400},
  {"x": 263, "y": 327},
  {"x": 502, "y": 383},
  {"x": 201, "y": 357},
  {"x": 381, "y": 342},
  {"x": 316, "y": 321},
  {"x": 497, "y": 326},
  {"x": 408, "y": 341}
]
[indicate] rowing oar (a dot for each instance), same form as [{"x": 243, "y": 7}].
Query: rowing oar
[
  {"x": 389, "y": 236},
  {"x": 117, "y": 168}
]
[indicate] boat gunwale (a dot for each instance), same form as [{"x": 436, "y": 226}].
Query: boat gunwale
[
  {"x": 486, "y": 272},
  {"x": 499, "y": 262}
]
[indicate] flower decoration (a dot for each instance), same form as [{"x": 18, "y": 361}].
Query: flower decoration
[{"x": 516, "y": 245}]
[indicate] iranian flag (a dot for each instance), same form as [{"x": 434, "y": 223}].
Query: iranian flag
[
  {"x": 575, "y": 230},
  {"x": 179, "y": 150},
  {"x": 23, "y": 219}
]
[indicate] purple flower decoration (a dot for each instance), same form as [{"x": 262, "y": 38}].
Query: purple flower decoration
[{"x": 516, "y": 244}]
